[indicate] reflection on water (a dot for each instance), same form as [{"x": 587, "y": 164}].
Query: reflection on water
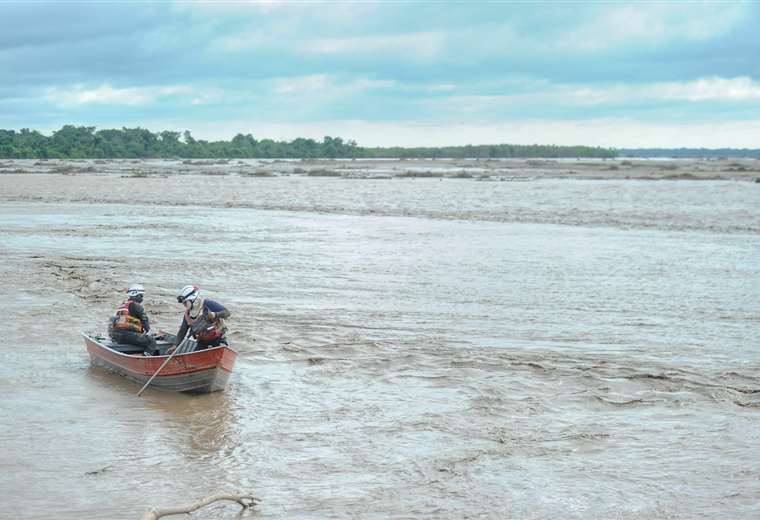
[
  {"x": 206, "y": 426},
  {"x": 209, "y": 423},
  {"x": 468, "y": 355}
]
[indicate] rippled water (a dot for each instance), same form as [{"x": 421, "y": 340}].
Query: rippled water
[{"x": 413, "y": 348}]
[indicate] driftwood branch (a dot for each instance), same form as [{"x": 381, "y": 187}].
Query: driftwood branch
[{"x": 244, "y": 499}]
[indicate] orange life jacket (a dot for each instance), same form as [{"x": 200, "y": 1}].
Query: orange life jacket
[
  {"x": 212, "y": 332},
  {"x": 125, "y": 321}
]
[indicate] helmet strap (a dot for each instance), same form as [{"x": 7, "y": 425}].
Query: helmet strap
[{"x": 196, "y": 306}]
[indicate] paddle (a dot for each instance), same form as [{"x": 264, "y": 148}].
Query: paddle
[{"x": 177, "y": 349}]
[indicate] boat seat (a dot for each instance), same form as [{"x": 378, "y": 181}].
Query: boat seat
[{"x": 162, "y": 344}]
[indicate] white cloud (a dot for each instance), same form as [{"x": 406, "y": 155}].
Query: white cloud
[
  {"x": 703, "y": 89},
  {"x": 620, "y": 133},
  {"x": 542, "y": 93},
  {"x": 302, "y": 84},
  {"x": 280, "y": 25},
  {"x": 106, "y": 94},
  {"x": 420, "y": 45},
  {"x": 103, "y": 94},
  {"x": 367, "y": 84},
  {"x": 239, "y": 42},
  {"x": 440, "y": 87},
  {"x": 708, "y": 89},
  {"x": 236, "y": 8},
  {"x": 274, "y": 34},
  {"x": 323, "y": 83},
  {"x": 653, "y": 23}
]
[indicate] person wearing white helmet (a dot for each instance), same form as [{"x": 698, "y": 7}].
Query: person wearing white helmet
[
  {"x": 203, "y": 319},
  {"x": 130, "y": 323}
]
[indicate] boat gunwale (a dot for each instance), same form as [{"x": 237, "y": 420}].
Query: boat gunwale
[
  {"x": 92, "y": 338},
  {"x": 209, "y": 364}
]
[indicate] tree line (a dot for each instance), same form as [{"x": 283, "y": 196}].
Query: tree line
[
  {"x": 706, "y": 153},
  {"x": 85, "y": 142}
]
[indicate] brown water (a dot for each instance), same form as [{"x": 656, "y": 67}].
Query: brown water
[{"x": 408, "y": 348}]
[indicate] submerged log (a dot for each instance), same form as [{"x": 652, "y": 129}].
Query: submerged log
[{"x": 244, "y": 499}]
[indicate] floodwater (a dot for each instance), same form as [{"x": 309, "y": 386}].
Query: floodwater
[{"x": 416, "y": 348}]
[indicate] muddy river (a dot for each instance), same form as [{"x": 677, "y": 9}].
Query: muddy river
[{"x": 437, "y": 347}]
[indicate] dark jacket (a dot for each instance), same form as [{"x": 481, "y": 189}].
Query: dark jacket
[
  {"x": 136, "y": 310},
  {"x": 218, "y": 309}
]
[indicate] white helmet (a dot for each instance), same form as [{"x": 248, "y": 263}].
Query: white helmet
[
  {"x": 136, "y": 290},
  {"x": 188, "y": 293}
]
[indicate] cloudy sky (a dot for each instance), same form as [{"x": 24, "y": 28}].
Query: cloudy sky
[{"x": 633, "y": 74}]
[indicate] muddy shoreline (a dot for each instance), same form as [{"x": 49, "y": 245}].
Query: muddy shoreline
[
  {"x": 645, "y": 195},
  {"x": 475, "y": 169}
]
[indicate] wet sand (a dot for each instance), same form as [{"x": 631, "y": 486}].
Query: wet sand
[
  {"x": 478, "y": 169},
  {"x": 412, "y": 347}
]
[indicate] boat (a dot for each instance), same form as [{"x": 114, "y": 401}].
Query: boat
[{"x": 196, "y": 372}]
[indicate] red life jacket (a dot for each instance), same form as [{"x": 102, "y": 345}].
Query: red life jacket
[
  {"x": 125, "y": 321},
  {"x": 212, "y": 332}
]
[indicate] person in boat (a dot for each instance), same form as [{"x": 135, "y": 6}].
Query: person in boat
[
  {"x": 203, "y": 319},
  {"x": 130, "y": 324}
]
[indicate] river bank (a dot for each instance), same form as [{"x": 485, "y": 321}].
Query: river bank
[{"x": 477, "y": 169}]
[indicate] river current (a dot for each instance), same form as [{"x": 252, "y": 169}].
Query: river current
[{"x": 416, "y": 348}]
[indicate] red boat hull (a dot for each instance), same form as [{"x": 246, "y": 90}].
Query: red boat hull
[{"x": 202, "y": 372}]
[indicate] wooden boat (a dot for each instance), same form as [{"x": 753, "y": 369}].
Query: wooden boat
[{"x": 197, "y": 372}]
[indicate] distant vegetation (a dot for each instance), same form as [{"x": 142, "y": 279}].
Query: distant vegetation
[
  {"x": 712, "y": 153},
  {"x": 84, "y": 142}
]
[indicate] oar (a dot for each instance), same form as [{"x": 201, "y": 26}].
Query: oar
[{"x": 179, "y": 347}]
